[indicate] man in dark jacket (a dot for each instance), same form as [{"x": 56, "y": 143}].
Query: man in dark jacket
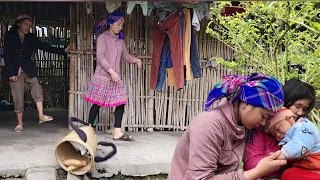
[{"x": 19, "y": 44}]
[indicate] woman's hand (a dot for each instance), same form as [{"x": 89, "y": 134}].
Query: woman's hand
[
  {"x": 265, "y": 166},
  {"x": 13, "y": 78},
  {"x": 114, "y": 75},
  {"x": 138, "y": 62},
  {"x": 19, "y": 72},
  {"x": 280, "y": 157},
  {"x": 270, "y": 164},
  {"x": 67, "y": 49}
]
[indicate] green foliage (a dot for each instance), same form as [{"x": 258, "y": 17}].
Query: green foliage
[{"x": 272, "y": 37}]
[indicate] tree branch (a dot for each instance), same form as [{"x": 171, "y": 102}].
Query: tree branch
[
  {"x": 276, "y": 48},
  {"x": 302, "y": 24},
  {"x": 267, "y": 20}
]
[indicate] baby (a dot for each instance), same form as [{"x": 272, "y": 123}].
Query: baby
[{"x": 300, "y": 138}]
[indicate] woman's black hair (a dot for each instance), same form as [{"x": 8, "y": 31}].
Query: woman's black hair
[
  {"x": 295, "y": 90},
  {"x": 15, "y": 26},
  {"x": 107, "y": 27}
]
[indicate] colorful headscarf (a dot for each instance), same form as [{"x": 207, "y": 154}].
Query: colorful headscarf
[
  {"x": 259, "y": 90},
  {"x": 113, "y": 17}
]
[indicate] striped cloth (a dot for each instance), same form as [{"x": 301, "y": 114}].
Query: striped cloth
[{"x": 259, "y": 90}]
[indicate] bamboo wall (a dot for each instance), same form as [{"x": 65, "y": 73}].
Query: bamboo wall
[
  {"x": 46, "y": 13},
  {"x": 52, "y": 74},
  {"x": 145, "y": 109}
]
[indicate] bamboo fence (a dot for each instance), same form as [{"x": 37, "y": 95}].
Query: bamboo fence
[
  {"x": 52, "y": 73},
  {"x": 146, "y": 110}
]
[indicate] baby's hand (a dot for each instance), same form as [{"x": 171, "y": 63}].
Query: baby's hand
[
  {"x": 299, "y": 158},
  {"x": 281, "y": 157}
]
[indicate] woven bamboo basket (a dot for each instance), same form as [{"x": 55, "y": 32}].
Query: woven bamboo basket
[{"x": 65, "y": 150}]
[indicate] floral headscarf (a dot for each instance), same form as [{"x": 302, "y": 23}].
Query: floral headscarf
[{"x": 112, "y": 18}]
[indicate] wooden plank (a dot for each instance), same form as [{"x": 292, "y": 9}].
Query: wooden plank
[
  {"x": 174, "y": 107},
  {"x": 169, "y": 118},
  {"x": 184, "y": 105},
  {"x": 203, "y": 90},
  {"x": 189, "y": 104},
  {"x": 197, "y": 96}
]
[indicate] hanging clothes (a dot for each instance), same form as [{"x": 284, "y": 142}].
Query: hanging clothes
[
  {"x": 171, "y": 80},
  {"x": 195, "y": 20},
  {"x": 171, "y": 27},
  {"x": 166, "y": 57},
  {"x": 163, "y": 5},
  {"x": 166, "y": 67},
  {"x": 194, "y": 54},
  {"x": 183, "y": 29},
  {"x": 165, "y": 62},
  {"x": 169, "y": 60},
  {"x": 203, "y": 9},
  {"x": 187, "y": 43},
  {"x": 112, "y": 5},
  {"x": 132, "y": 4}
]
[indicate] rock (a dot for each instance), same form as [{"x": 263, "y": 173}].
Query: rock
[
  {"x": 43, "y": 173},
  {"x": 75, "y": 177}
]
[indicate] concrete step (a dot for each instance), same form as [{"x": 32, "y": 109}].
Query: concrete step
[{"x": 43, "y": 173}]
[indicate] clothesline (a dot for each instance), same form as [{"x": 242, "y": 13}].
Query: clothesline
[
  {"x": 202, "y": 8},
  {"x": 142, "y": 57}
]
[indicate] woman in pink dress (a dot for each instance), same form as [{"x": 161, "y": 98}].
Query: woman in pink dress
[{"x": 106, "y": 88}]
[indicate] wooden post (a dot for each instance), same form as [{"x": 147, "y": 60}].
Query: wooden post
[
  {"x": 34, "y": 27},
  {"x": 150, "y": 100},
  {"x": 77, "y": 65},
  {"x": 72, "y": 64},
  {"x": 65, "y": 64}
]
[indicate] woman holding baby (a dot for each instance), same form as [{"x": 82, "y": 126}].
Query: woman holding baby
[
  {"x": 211, "y": 146},
  {"x": 299, "y": 99}
]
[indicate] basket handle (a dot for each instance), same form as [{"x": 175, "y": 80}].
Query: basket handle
[
  {"x": 108, "y": 156},
  {"x": 84, "y": 138},
  {"x": 80, "y": 133}
]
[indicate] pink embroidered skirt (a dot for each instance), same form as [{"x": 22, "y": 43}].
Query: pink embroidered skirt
[{"x": 105, "y": 93}]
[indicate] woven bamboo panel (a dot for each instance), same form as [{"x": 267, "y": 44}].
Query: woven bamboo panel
[{"x": 146, "y": 110}]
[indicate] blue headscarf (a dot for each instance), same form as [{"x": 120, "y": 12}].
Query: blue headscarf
[
  {"x": 259, "y": 90},
  {"x": 112, "y": 18}
]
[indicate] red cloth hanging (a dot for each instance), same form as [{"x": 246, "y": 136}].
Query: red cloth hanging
[{"x": 232, "y": 10}]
